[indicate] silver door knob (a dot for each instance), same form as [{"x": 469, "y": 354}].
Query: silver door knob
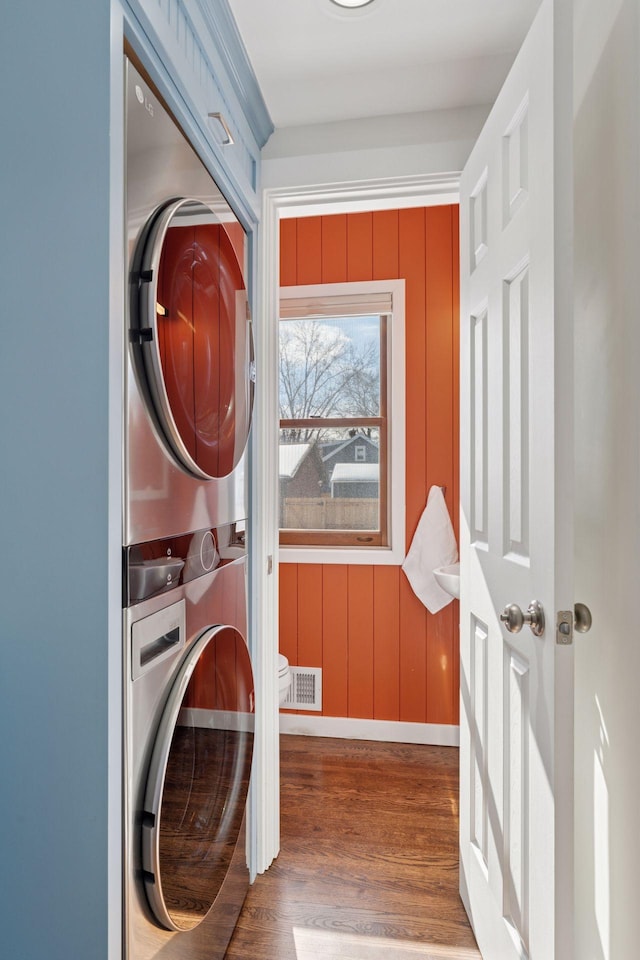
[{"x": 514, "y": 619}]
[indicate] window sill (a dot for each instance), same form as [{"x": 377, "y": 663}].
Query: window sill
[{"x": 372, "y": 556}]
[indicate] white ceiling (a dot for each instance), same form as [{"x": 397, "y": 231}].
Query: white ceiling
[{"x": 317, "y": 63}]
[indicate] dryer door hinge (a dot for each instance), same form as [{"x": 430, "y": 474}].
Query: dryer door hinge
[{"x": 141, "y": 335}]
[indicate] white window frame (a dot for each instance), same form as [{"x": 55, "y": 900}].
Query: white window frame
[
  {"x": 360, "y": 454},
  {"x": 394, "y": 553}
]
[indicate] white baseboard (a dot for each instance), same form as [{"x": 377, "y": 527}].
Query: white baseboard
[{"x": 394, "y": 731}]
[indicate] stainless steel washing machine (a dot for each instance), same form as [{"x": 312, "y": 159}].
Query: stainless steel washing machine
[
  {"x": 189, "y": 375},
  {"x": 189, "y": 707}
]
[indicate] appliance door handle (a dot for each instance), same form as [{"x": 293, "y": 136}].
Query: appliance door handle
[
  {"x": 155, "y": 648},
  {"x": 156, "y": 637},
  {"x": 228, "y": 138}
]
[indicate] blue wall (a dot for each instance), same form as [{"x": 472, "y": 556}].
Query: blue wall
[
  {"x": 60, "y": 482},
  {"x": 54, "y": 284}
]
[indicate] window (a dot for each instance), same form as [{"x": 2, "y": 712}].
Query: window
[{"x": 338, "y": 456}]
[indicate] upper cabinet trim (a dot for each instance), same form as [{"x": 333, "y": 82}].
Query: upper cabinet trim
[
  {"x": 180, "y": 48},
  {"x": 230, "y": 48}
]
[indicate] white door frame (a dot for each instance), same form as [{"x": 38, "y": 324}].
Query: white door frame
[{"x": 281, "y": 203}]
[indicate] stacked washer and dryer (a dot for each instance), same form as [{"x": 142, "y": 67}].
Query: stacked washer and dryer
[{"x": 188, "y": 686}]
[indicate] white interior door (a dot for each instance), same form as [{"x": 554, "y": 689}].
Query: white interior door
[{"x": 516, "y": 779}]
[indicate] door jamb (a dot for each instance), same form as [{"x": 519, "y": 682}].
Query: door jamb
[{"x": 281, "y": 203}]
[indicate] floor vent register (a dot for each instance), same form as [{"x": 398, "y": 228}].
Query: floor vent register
[{"x": 305, "y": 692}]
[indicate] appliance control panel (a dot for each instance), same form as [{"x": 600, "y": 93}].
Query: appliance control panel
[{"x": 156, "y": 566}]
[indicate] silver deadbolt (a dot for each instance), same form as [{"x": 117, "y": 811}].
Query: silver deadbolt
[{"x": 514, "y": 619}]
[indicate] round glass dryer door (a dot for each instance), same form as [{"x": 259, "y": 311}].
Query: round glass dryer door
[
  {"x": 198, "y": 779},
  {"x": 194, "y": 336}
]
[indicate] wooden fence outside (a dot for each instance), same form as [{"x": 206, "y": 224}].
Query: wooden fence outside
[{"x": 329, "y": 513}]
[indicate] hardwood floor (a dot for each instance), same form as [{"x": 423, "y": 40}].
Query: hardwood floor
[{"x": 368, "y": 866}]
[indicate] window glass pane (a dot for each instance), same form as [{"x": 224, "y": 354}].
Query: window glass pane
[
  {"x": 330, "y": 367},
  {"x": 325, "y": 483}
]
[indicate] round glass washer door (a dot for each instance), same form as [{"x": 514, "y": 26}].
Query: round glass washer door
[
  {"x": 194, "y": 336},
  {"x": 198, "y": 779}
]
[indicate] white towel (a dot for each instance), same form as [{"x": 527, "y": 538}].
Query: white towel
[{"x": 433, "y": 545}]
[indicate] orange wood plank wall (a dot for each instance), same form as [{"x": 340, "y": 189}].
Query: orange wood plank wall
[{"x": 382, "y": 654}]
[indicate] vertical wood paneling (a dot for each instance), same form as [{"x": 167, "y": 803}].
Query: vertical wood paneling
[
  {"x": 455, "y": 299},
  {"x": 439, "y": 427},
  {"x": 309, "y": 250},
  {"x": 360, "y": 246},
  {"x": 413, "y": 616},
  {"x": 439, "y": 350},
  {"x": 334, "y": 249},
  {"x": 335, "y": 638},
  {"x": 360, "y": 619},
  {"x": 310, "y": 614},
  {"x": 288, "y": 253},
  {"x": 288, "y": 611},
  {"x": 386, "y": 643},
  {"x": 440, "y": 666},
  {"x": 382, "y": 655},
  {"x": 385, "y": 245},
  {"x": 412, "y": 268},
  {"x": 413, "y": 656}
]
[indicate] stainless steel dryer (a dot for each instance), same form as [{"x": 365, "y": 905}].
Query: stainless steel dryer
[
  {"x": 189, "y": 707},
  {"x": 189, "y": 372}
]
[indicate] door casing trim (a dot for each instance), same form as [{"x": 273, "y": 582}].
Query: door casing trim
[{"x": 278, "y": 204}]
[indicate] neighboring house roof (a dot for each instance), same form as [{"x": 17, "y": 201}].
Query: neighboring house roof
[
  {"x": 355, "y": 473},
  {"x": 291, "y": 456},
  {"x": 338, "y": 447}
]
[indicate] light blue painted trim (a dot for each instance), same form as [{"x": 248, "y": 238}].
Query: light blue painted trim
[
  {"x": 204, "y": 31},
  {"x": 155, "y": 49},
  {"x": 117, "y": 294},
  {"x": 231, "y": 49}
]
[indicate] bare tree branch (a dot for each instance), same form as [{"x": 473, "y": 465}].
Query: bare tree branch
[{"x": 325, "y": 373}]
